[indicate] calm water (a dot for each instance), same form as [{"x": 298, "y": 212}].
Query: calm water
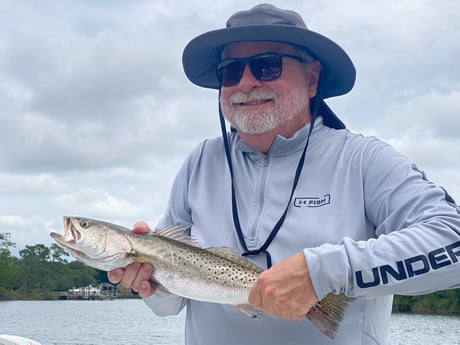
[{"x": 130, "y": 322}]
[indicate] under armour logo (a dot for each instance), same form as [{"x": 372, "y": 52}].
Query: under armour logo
[{"x": 312, "y": 201}]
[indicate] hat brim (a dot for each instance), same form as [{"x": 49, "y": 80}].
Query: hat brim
[{"x": 202, "y": 54}]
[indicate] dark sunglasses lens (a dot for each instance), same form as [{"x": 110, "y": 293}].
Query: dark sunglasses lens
[
  {"x": 230, "y": 72},
  {"x": 267, "y": 67},
  {"x": 263, "y": 67}
]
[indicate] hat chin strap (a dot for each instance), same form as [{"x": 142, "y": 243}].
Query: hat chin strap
[{"x": 236, "y": 220}]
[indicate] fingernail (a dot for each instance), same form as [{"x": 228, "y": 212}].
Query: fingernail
[
  {"x": 149, "y": 269},
  {"x": 115, "y": 276},
  {"x": 145, "y": 285}
]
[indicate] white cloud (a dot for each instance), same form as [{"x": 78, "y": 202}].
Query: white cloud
[
  {"x": 96, "y": 115},
  {"x": 433, "y": 113},
  {"x": 97, "y": 203},
  {"x": 426, "y": 129}
]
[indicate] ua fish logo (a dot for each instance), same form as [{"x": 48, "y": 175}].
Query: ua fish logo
[{"x": 312, "y": 201}]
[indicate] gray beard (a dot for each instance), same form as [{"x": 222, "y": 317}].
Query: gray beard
[{"x": 262, "y": 120}]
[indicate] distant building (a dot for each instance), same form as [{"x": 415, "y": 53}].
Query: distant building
[{"x": 103, "y": 291}]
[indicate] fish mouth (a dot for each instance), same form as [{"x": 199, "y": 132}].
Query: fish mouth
[
  {"x": 69, "y": 246},
  {"x": 71, "y": 234},
  {"x": 66, "y": 243},
  {"x": 69, "y": 240}
]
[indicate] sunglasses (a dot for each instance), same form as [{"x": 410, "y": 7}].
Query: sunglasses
[{"x": 264, "y": 67}]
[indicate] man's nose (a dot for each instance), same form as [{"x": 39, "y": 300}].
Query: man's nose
[{"x": 248, "y": 81}]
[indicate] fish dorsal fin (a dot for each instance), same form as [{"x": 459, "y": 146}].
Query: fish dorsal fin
[
  {"x": 233, "y": 256},
  {"x": 178, "y": 233}
]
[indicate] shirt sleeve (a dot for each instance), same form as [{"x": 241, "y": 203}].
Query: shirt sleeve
[
  {"x": 165, "y": 304},
  {"x": 416, "y": 248}
]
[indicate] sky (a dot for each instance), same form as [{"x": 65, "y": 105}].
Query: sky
[{"x": 97, "y": 116}]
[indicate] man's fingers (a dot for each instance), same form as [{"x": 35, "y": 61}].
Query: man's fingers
[
  {"x": 285, "y": 289},
  {"x": 260, "y": 296},
  {"x": 116, "y": 275},
  {"x": 146, "y": 289},
  {"x": 255, "y": 298},
  {"x": 137, "y": 275},
  {"x": 130, "y": 274},
  {"x": 144, "y": 273},
  {"x": 141, "y": 228}
]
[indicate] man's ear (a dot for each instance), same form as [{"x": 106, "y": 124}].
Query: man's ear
[{"x": 313, "y": 72}]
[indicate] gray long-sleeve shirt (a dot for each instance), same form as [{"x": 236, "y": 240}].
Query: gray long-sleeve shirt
[{"x": 367, "y": 221}]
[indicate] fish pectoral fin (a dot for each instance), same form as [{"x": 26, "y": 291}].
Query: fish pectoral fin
[{"x": 250, "y": 311}]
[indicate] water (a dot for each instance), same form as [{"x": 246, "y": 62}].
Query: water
[
  {"x": 129, "y": 322},
  {"x": 117, "y": 322},
  {"x": 410, "y": 329}
]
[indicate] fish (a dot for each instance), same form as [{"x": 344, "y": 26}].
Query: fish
[{"x": 182, "y": 266}]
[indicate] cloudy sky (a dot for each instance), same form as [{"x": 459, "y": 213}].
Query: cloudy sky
[{"x": 96, "y": 115}]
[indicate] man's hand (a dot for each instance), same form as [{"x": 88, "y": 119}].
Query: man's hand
[
  {"x": 285, "y": 289},
  {"x": 136, "y": 275}
]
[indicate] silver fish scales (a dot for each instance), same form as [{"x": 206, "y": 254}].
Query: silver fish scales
[{"x": 182, "y": 267}]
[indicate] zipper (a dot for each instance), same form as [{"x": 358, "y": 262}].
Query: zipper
[
  {"x": 261, "y": 191},
  {"x": 265, "y": 160}
]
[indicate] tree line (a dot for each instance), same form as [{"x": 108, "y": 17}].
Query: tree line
[{"x": 41, "y": 271}]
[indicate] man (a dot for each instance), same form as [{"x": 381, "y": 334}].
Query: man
[{"x": 325, "y": 210}]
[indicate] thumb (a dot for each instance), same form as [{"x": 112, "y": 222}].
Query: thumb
[{"x": 141, "y": 228}]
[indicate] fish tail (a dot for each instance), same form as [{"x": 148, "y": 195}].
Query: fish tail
[{"x": 327, "y": 314}]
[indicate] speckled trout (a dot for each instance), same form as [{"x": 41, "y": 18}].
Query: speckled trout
[{"x": 182, "y": 267}]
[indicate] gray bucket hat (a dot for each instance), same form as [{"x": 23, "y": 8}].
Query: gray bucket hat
[{"x": 266, "y": 22}]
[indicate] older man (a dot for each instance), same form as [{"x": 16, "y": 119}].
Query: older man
[{"x": 323, "y": 209}]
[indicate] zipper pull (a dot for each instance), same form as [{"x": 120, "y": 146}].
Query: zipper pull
[{"x": 266, "y": 160}]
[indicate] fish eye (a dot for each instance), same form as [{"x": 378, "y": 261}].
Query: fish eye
[{"x": 84, "y": 224}]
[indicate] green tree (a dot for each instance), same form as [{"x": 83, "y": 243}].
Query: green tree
[
  {"x": 38, "y": 252},
  {"x": 8, "y": 273},
  {"x": 81, "y": 274},
  {"x": 59, "y": 270},
  {"x": 39, "y": 270},
  {"x": 5, "y": 244},
  {"x": 35, "y": 269},
  {"x": 58, "y": 254}
]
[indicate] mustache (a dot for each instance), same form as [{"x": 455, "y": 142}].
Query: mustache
[{"x": 252, "y": 96}]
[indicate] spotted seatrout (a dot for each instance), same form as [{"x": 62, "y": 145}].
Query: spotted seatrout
[{"x": 182, "y": 267}]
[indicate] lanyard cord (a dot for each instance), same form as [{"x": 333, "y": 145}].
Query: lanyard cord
[{"x": 236, "y": 219}]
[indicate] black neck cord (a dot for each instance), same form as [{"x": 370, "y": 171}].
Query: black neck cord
[{"x": 236, "y": 219}]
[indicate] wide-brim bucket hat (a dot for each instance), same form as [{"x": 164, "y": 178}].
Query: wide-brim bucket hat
[{"x": 266, "y": 22}]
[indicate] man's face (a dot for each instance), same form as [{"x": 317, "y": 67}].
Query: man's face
[{"x": 253, "y": 106}]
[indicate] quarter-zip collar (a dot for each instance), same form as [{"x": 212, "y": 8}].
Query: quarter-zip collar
[{"x": 281, "y": 146}]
